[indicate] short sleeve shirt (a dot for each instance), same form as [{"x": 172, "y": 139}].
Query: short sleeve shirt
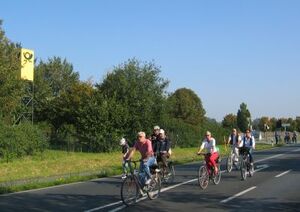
[
  {"x": 144, "y": 148},
  {"x": 209, "y": 146}
]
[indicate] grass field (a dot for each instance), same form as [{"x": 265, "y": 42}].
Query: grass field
[{"x": 63, "y": 167}]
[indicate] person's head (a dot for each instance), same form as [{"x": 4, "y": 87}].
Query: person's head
[
  {"x": 234, "y": 131},
  {"x": 208, "y": 135},
  {"x": 156, "y": 130},
  {"x": 141, "y": 136},
  {"x": 248, "y": 133},
  {"x": 162, "y": 134},
  {"x": 122, "y": 141}
]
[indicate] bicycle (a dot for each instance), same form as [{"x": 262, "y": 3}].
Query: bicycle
[
  {"x": 245, "y": 166},
  {"x": 205, "y": 175},
  {"x": 230, "y": 161},
  {"x": 167, "y": 172},
  {"x": 132, "y": 186}
]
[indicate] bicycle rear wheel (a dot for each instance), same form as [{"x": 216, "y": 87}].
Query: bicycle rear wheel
[
  {"x": 170, "y": 175},
  {"x": 203, "y": 177},
  {"x": 153, "y": 190},
  {"x": 217, "y": 178},
  {"x": 129, "y": 190}
]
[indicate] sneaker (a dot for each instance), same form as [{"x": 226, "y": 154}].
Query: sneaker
[
  {"x": 124, "y": 176},
  {"x": 148, "y": 181}
]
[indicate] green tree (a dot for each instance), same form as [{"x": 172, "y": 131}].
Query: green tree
[
  {"x": 243, "y": 117},
  {"x": 230, "y": 121},
  {"x": 263, "y": 122},
  {"x": 139, "y": 92},
  {"x": 54, "y": 81},
  {"x": 185, "y": 105},
  {"x": 11, "y": 87}
]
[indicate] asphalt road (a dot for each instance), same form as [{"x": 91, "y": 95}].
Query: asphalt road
[{"x": 275, "y": 186}]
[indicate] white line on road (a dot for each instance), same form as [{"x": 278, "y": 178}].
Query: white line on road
[
  {"x": 105, "y": 206},
  {"x": 279, "y": 175},
  {"x": 237, "y": 195}
]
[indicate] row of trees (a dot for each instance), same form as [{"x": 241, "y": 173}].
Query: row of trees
[
  {"x": 243, "y": 121},
  {"x": 92, "y": 116}
]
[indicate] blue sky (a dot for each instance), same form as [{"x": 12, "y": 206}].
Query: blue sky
[{"x": 228, "y": 52}]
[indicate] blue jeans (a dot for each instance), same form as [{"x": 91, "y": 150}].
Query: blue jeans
[{"x": 144, "y": 167}]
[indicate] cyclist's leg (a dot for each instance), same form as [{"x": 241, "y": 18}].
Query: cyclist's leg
[
  {"x": 213, "y": 159},
  {"x": 146, "y": 166},
  {"x": 250, "y": 156},
  {"x": 236, "y": 154}
]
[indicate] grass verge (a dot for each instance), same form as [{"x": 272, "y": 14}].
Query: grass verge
[{"x": 57, "y": 167}]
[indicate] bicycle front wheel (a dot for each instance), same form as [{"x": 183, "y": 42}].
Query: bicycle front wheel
[
  {"x": 243, "y": 170},
  {"x": 203, "y": 177},
  {"x": 154, "y": 187},
  {"x": 229, "y": 163},
  {"x": 129, "y": 191}
]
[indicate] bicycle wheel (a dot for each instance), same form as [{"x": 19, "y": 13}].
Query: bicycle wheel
[
  {"x": 154, "y": 187},
  {"x": 217, "y": 178},
  {"x": 243, "y": 168},
  {"x": 203, "y": 177},
  {"x": 229, "y": 163},
  {"x": 170, "y": 175},
  {"x": 129, "y": 190}
]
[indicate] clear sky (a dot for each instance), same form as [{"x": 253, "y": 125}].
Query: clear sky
[{"x": 228, "y": 52}]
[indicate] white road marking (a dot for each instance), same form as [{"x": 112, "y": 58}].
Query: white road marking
[
  {"x": 261, "y": 167},
  {"x": 105, "y": 206},
  {"x": 283, "y": 173},
  {"x": 237, "y": 195}
]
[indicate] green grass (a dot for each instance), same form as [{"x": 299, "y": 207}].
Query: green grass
[{"x": 63, "y": 167}]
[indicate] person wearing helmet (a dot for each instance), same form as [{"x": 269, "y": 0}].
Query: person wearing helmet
[
  {"x": 155, "y": 135},
  {"x": 162, "y": 148},
  {"x": 125, "y": 151},
  {"x": 209, "y": 144}
]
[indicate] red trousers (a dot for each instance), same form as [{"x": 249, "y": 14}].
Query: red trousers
[{"x": 211, "y": 160}]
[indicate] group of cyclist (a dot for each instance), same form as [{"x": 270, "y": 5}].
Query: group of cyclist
[
  {"x": 157, "y": 148},
  {"x": 153, "y": 149}
]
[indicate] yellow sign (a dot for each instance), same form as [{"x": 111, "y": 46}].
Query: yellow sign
[{"x": 27, "y": 64}]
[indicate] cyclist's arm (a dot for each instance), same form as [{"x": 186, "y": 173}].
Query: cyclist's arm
[
  {"x": 253, "y": 143},
  {"x": 131, "y": 153},
  {"x": 201, "y": 147}
]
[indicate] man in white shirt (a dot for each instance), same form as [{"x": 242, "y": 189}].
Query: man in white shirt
[{"x": 248, "y": 143}]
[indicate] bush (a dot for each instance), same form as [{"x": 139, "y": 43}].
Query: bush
[{"x": 21, "y": 140}]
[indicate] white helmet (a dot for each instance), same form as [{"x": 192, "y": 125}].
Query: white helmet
[
  {"x": 122, "y": 141},
  {"x": 156, "y": 128}
]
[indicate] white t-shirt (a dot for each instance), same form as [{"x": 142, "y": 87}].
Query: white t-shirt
[{"x": 210, "y": 146}]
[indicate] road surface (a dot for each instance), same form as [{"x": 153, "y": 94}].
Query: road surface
[{"x": 275, "y": 186}]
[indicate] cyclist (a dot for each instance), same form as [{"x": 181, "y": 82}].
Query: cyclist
[
  {"x": 294, "y": 138},
  {"x": 162, "y": 148},
  {"x": 248, "y": 144},
  {"x": 144, "y": 146},
  {"x": 234, "y": 140},
  {"x": 209, "y": 143},
  {"x": 125, "y": 151},
  {"x": 155, "y": 135}
]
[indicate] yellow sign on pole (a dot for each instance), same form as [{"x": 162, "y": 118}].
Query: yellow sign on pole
[{"x": 27, "y": 64}]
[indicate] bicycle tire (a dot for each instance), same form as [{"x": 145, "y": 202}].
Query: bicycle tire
[
  {"x": 203, "y": 177},
  {"x": 217, "y": 178},
  {"x": 243, "y": 170},
  {"x": 129, "y": 191},
  {"x": 229, "y": 163},
  {"x": 155, "y": 186}
]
